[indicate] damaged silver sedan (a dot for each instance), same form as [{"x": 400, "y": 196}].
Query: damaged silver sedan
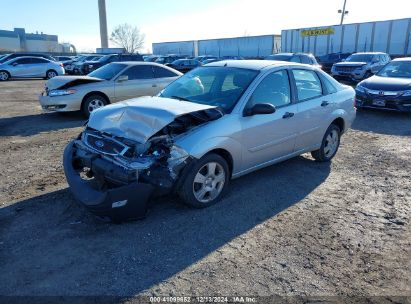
[{"x": 215, "y": 123}]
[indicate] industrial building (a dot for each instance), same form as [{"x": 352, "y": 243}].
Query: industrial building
[
  {"x": 391, "y": 36},
  {"x": 20, "y": 41},
  {"x": 248, "y": 47}
]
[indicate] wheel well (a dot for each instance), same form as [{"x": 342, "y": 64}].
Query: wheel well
[
  {"x": 227, "y": 157},
  {"x": 339, "y": 122},
  {"x": 6, "y": 72},
  {"x": 95, "y": 93}
]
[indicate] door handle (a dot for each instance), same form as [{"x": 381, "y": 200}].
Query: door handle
[
  {"x": 325, "y": 103},
  {"x": 288, "y": 115},
  {"x": 154, "y": 86}
]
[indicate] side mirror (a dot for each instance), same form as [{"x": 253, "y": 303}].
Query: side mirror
[
  {"x": 260, "y": 108},
  {"x": 122, "y": 78}
]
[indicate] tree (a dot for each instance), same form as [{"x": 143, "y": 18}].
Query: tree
[{"x": 128, "y": 37}]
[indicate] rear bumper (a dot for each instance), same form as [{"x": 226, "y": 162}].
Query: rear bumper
[{"x": 120, "y": 203}]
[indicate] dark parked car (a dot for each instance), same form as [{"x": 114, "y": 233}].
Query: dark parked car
[
  {"x": 205, "y": 57},
  {"x": 63, "y": 58},
  {"x": 327, "y": 61},
  {"x": 184, "y": 65},
  {"x": 90, "y": 66},
  {"x": 15, "y": 55},
  {"x": 74, "y": 67},
  {"x": 169, "y": 58},
  {"x": 295, "y": 57},
  {"x": 232, "y": 58},
  {"x": 389, "y": 89}
]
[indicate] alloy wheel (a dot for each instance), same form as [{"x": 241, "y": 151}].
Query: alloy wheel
[
  {"x": 4, "y": 76},
  {"x": 331, "y": 143},
  {"x": 94, "y": 105},
  {"x": 209, "y": 182}
]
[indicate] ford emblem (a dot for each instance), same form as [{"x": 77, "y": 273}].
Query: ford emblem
[{"x": 99, "y": 143}]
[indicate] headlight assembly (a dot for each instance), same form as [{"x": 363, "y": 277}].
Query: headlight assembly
[
  {"x": 360, "y": 89},
  {"x": 54, "y": 93}
]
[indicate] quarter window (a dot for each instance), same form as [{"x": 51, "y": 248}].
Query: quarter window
[
  {"x": 160, "y": 72},
  {"x": 305, "y": 60},
  {"x": 308, "y": 84},
  {"x": 273, "y": 89}
]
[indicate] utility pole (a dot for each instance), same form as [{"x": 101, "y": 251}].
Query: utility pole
[
  {"x": 103, "y": 23},
  {"x": 343, "y": 12}
]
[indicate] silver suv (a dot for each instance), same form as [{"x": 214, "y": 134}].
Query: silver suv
[
  {"x": 217, "y": 122},
  {"x": 359, "y": 66}
]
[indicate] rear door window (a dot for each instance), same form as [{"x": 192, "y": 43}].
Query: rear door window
[
  {"x": 139, "y": 72},
  {"x": 308, "y": 84}
]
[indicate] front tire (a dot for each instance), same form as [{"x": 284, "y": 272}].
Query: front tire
[
  {"x": 93, "y": 103},
  {"x": 206, "y": 182},
  {"x": 4, "y": 76},
  {"x": 329, "y": 145}
]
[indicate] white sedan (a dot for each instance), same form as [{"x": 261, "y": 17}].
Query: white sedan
[{"x": 30, "y": 67}]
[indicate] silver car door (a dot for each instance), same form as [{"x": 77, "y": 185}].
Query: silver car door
[
  {"x": 268, "y": 137},
  {"x": 314, "y": 108},
  {"x": 20, "y": 67},
  {"x": 38, "y": 67},
  {"x": 139, "y": 82}
]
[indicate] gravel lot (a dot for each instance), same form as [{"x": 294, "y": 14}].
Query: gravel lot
[{"x": 297, "y": 228}]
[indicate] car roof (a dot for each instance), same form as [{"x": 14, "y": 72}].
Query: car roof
[
  {"x": 131, "y": 63},
  {"x": 32, "y": 57},
  {"x": 250, "y": 64},
  {"x": 403, "y": 59},
  {"x": 370, "y": 53}
]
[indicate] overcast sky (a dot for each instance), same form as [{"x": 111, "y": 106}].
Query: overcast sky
[{"x": 76, "y": 21}]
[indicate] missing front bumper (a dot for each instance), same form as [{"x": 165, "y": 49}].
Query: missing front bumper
[{"x": 122, "y": 203}]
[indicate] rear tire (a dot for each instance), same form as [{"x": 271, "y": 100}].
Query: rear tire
[
  {"x": 329, "y": 145},
  {"x": 4, "y": 76},
  {"x": 206, "y": 182},
  {"x": 51, "y": 73},
  {"x": 92, "y": 103}
]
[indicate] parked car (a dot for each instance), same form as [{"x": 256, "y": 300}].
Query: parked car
[
  {"x": 205, "y": 57},
  {"x": 168, "y": 58},
  {"x": 15, "y": 55},
  {"x": 89, "y": 66},
  {"x": 215, "y": 123},
  {"x": 295, "y": 57},
  {"x": 184, "y": 65},
  {"x": 108, "y": 84},
  {"x": 207, "y": 61},
  {"x": 360, "y": 66},
  {"x": 232, "y": 58},
  {"x": 74, "y": 68},
  {"x": 327, "y": 61},
  {"x": 389, "y": 89},
  {"x": 30, "y": 67},
  {"x": 63, "y": 58},
  {"x": 150, "y": 58}
]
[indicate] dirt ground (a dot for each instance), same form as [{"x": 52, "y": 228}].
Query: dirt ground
[{"x": 296, "y": 228}]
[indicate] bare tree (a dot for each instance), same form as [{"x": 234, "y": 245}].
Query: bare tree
[{"x": 128, "y": 37}]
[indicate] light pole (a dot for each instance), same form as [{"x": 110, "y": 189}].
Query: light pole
[
  {"x": 103, "y": 23},
  {"x": 343, "y": 12}
]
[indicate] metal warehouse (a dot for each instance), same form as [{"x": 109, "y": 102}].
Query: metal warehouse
[
  {"x": 391, "y": 36},
  {"x": 250, "y": 46}
]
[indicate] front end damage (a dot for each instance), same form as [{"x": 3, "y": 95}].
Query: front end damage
[{"x": 115, "y": 177}]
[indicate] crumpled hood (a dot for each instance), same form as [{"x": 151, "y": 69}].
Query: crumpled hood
[
  {"x": 349, "y": 64},
  {"x": 140, "y": 118},
  {"x": 69, "y": 81}
]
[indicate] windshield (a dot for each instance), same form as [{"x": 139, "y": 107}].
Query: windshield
[
  {"x": 280, "y": 57},
  {"x": 103, "y": 59},
  {"x": 108, "y": 71},
  {"x": 360, "y": 58},
  {"x": 4, "y": 58},
  {"x": 215, "y": 86},
  {"x": 396, "y": 69}
]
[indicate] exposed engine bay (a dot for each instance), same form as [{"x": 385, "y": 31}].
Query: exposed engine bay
[{"x": 114, "y": 161}]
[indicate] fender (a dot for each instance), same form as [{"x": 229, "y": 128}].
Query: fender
[{"x": 229, "y": 144}]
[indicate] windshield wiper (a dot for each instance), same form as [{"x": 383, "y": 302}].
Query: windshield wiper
[{"x": 179, "y": 98}]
